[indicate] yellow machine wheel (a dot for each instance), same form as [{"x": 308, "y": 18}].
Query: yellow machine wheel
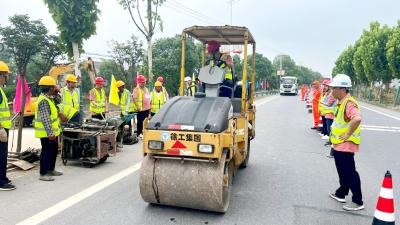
[{"x": 191, "y": 184}]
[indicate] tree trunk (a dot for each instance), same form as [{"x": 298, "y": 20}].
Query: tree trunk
[
  {"x": 21, "y": 118},
  {"x": 75, "y": 50},
  {"x": 150, "y": 60}
]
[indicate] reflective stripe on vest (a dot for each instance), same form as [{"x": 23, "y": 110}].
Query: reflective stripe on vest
[
  {"x": 140, "y": 98},
  {"x": 157, "y": 102},
  {"x": 69, "y": 103},
  {"x": 99, "y": 105},
  {"x": 40, "y": 131},
  {"x": 340, "y": 126},
  {"x": 5, "y": 114}
]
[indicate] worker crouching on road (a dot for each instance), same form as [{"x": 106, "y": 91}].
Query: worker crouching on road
[
  {"x": 98, "y": 100},
  {"x": 47, "y": 128},
  {"x": 70, "y": 99},
  {"x": 157, "y": 98},
  {"x": 141, "y": 99},
  {"x": 5, "y": 125},
  {"x": 345, "y": 138},
  {"x": 315, "y": 103},
  {"x": 127, "y": 114}
]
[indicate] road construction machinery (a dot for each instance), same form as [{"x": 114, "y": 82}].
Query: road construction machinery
[
  {"x": 195, "y": 144},
  {"x": 91, "y": 142}
]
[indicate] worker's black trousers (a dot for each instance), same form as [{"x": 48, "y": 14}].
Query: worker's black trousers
[
  {"x": 75, "y": 118},
  {"x": 3, "y": 162},
  {"x": 48, "y": 155},
  {"x": 141, "y": 116},
  {"x": 348, "y": 176}
]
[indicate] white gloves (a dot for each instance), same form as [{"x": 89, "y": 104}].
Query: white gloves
[{"x": 3, "y": 135}]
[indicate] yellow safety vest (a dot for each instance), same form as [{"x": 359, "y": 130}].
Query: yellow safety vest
[
  {"x": 228, "y": 72},
  {"x": 157, "y": 102},
  {"x": 40, "y": 132},
  {"x": 340, "y": 126},
  {"x": 140, "y": 98},
  {"x": 69, "y": 103},
  {"x": 124, "y": 97},
  {"x": 328, "y": 109},
  {"x": 5, "y": 115},
  {"x": 320, "y": 105},
  {"x": 99, "y": 105}
]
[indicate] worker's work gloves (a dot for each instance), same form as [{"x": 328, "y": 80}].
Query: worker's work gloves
[{"x": 3, "y": 135}]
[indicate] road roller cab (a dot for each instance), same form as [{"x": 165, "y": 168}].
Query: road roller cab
[{"x": 194, "y": 145}]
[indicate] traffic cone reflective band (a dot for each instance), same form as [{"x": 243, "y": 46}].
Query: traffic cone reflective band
[
  {"x": 384, "y": 212},
  {"x": 320, "y": 122}
]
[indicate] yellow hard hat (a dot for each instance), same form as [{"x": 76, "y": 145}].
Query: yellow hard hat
[
  {"x": 4, "y": 67},
  {"x": 47, "y": 81},
  {"x": 158, "y": 84},
  {"x": 120, "y": 83},
  {"x": 71, "y": 78}
]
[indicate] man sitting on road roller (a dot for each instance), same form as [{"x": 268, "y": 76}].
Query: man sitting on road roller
[{"x": 216, "y": 59}]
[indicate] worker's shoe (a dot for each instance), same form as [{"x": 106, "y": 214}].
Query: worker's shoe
[
  {"x": 54, "y": 173},
  {"x": 352, "y": 206},
  {"x": 313, "y": 128},
  {"x": 7, "y": 187},
  {"x": 339, "y": 199},
  {"x": 46, "y": 178},
  {"x": 325, "y": 137}
]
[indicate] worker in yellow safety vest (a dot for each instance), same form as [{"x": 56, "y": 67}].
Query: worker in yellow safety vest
[
  {"x": 157, "y": 98},
  {"x": 164, "y": 90},
  {"x": 5, "y": 125},
  {"x": 126, "y": 101},
  {"x": 70, "y": 99},
  {"x": 125, "y": 132},
  {"x": 141, "y": 99},
  {"x": 217, "y": 59},
  {"x": 345, "y": 138},
  {"x": 47, "y": 128},
  {"x": 98, "y": 100}
]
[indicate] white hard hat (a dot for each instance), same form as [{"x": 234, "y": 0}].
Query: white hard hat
[
  {"x": 188, "y": 79},
  {"x": 341, "y": 80}
]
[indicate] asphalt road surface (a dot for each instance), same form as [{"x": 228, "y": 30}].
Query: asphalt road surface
[{"x": 287, "y": 181}]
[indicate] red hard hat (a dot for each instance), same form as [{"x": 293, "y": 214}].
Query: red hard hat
[
  {"x": 161, "y": 79},
  {"x": 141, "y": 79},
  {"x": 99, "y": 80},
  {"x": 212, "y": 46},
  {"x": 326, "y": 82}
]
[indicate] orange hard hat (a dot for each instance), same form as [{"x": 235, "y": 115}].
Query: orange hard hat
[
  {"x": 141, "y": 79},
  {"x": 99, "y": 80},
  {"x": 326, "y": 82}
]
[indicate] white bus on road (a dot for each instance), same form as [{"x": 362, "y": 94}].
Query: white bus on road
[{"x": 288, "y": 85}]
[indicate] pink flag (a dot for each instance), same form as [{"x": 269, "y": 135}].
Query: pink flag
[
  {"x": 18, "y": 95},
  {"x": 262, "y": 84}
]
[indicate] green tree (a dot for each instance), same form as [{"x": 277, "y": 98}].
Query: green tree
[
  {"x": 127, "y": 56},
  {"x": 167, "y": 60},
  {"x": 357, "y": 64},
  {"x": 153, "y": 17},
  {"x": 344, "y": 63},
  {"x": 393, "y": 51},
  {"x": 373, "y": 49},
  {"x": 76, "y": 21}
]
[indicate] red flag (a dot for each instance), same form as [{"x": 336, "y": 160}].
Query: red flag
[{"x": 18, "y": 95}]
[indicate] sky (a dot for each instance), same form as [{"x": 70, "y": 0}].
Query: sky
[{"x": 312, "y": 32}]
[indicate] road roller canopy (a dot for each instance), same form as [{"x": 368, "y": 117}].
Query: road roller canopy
[{"x": 225, "y": 35}]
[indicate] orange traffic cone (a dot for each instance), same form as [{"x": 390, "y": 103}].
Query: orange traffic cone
[{"x": 384, "y": 213}]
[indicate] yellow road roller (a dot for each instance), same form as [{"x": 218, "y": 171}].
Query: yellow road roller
[{"x": 194, "y": 145}]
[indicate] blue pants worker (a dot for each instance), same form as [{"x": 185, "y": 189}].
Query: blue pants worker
[
  {"x": 3, "y": 162},
  {"x": 48, "y": 155},
  {"x": 324, "y": 128},
  {"x": 348, "y": 176}
]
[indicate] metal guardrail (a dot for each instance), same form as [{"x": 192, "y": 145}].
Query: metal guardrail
[{"x": 266, "y": 92}]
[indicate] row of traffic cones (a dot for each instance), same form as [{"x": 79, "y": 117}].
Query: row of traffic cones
[{"x": 384, "y": 212}]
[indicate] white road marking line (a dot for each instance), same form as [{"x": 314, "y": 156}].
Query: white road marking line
[
  {"x": 384, "y": 114},
  {"x": 378, "y": 129},
  {"x": 266, "y": 101},
  {"x": 74, "y": 199},
  {"x": 382, "y": 127}
]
